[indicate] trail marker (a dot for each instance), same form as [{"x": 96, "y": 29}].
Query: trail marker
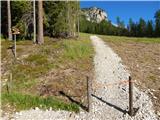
[{"x": 15, "y": 31}]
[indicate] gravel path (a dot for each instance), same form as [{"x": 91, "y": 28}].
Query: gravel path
[
  {"x": 108, "y": 102},
  {"x": 111, "y": 102}
]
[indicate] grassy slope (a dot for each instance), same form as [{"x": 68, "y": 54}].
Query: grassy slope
[
  {"x": 130, "y": 39},
  {"x": 142, "y": 57},
  {"x": 42, "y": 71}
]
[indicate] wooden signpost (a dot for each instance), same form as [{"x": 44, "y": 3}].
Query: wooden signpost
[{"x": 15, "y": 31}]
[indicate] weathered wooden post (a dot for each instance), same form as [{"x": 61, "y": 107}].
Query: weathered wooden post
[
  {"x": 9, "y": 83},
  {"x": 7, "y": 87},
  {"x": 15, "y": 54},
  {"x": 89, "y": 93},
  {"x": 10, "y": 80},
  {"x": 130, "y": 96}
]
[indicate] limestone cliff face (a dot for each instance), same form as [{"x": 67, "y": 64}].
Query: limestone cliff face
[{"x": 94, "y": 14}]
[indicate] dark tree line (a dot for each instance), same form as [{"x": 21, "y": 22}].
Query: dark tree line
[
  {"x": 141, "y": 28},
  {"x": 63, "y": 19},
  {"x": 58, "y": 18}
]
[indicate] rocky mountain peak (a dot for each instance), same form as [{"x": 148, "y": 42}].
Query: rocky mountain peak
[{"x": 94, "y": 14}]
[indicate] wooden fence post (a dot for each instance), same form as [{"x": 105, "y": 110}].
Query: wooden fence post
[
  {"x": 130, "y": 96},
  {"x": 89, "y": 93}
]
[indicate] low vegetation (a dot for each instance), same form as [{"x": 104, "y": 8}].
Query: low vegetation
[
  {"x": 41, "y": 73},
  {"x": 130, "y": 39},
  {"x": 77, "y": 49},
  {"x": 22, "y": 102}
]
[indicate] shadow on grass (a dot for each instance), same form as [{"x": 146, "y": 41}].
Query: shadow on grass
[
  {"x": 74, "y": 101},
  {"x": 12, "y": 50},
  {"x": 111, "y": 105}
]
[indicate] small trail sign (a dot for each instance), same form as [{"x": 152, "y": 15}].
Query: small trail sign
[{"x": 15, "y": 31}]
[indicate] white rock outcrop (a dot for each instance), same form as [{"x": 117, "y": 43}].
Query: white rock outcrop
[{"x": 94, "y": 14}]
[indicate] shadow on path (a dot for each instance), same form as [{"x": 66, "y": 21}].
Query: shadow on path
[
  {"x": 74, "y": 101},
  {"x": 111, "y": 105}
]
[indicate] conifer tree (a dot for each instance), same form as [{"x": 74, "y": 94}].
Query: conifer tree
[{"x": 40, "y": 39}]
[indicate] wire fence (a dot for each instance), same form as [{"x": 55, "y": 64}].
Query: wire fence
[{"x": 129, "y": 82}]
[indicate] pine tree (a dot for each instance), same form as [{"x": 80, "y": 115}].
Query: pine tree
[
  {"x": 78, "y": 15},
  {"x": 141, "y": 28},
  {"x": 40, "y": 39},
  {"x": 149, "y": 29},
  {"x": 34, "y": 20},
  {"x": 157, "y": 22},
  {"x": 9, "y": 20}
]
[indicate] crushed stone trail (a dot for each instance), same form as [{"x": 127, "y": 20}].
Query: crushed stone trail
[
  {"x": 111, "y": 102},
  {"x": 108, "y": 102}
]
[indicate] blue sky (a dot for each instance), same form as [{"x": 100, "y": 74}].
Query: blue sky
[{"x": 125, "y": 9}]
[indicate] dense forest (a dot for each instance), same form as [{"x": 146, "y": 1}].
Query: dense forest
[
  {"x": 60, "y": 18},
  {"x": 64, "y": 19},
  {"x": 141, "y": 28}
]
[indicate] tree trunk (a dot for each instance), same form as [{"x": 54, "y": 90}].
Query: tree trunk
[
  {"x": 9, "y": 20},
  {"x": 68, "y": 19},
  {"x": 40, "y": 22},
  {"x": 34, "y": 20},
  {"x": 78, "y": 18}
]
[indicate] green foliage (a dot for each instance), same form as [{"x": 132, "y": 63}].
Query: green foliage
[
  {"x": 157, "y": 22},
  {"x": 28, "y": 70},
  {"x": 18, "y": 8},
  {"x": 103, "y": 28},
  {"x": 37, "y": 59},
  {"x": 54, "y": 14},
  {"x": 149, "y": 29},
  {"x": 145, "y": 29},
  {"x": 77, "y": 49},
  {"x": 61, "y": 17},
  {"x": 120, "y": 23},
  {"x": 26, "y": 73},
  {"x": 22, "y": 28},
  {"x": 141, "y": 28},
  {"x": 22, "y": 102}
]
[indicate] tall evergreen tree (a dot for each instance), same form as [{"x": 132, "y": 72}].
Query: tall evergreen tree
[
  {"x": 141, "y": 28},
  {"x": 149, "y": 29},
  {"x": 120, "y": 23},
  {"x": 78, "y": 15},
  {"x": 40, "y": 39},
  {"x": 157, "y": 22},
  {"x": 34, "y": 20},
  {"x": 9, "y": 20}
]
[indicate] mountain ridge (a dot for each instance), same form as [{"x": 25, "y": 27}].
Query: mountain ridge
[{"x": 94, "y": 14}]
